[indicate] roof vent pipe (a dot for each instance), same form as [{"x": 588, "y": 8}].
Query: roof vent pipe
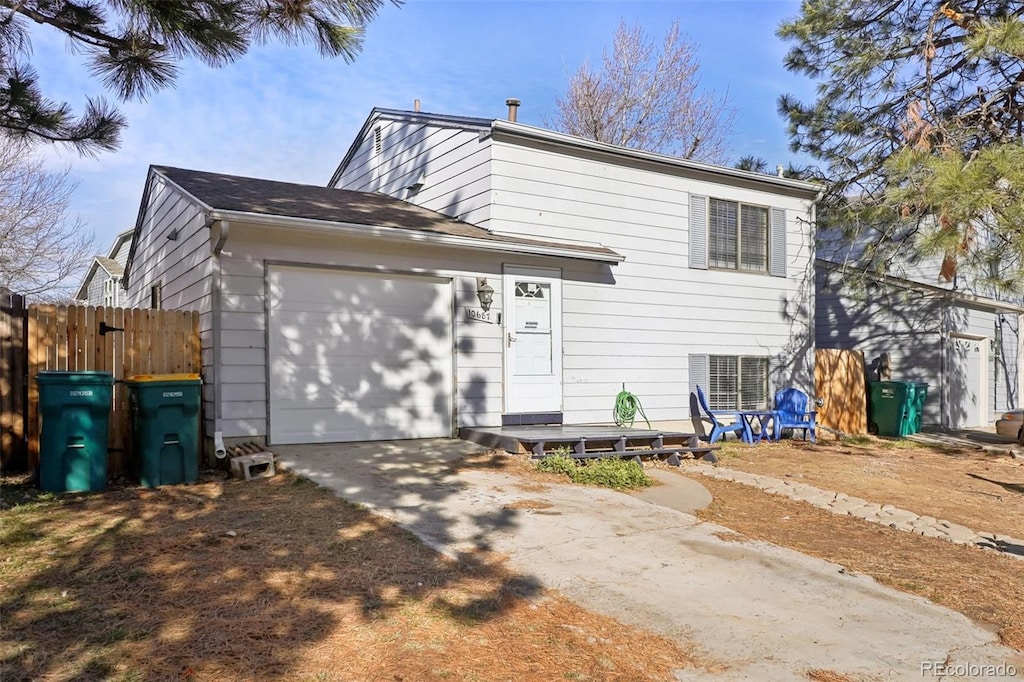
[
  {"x": 780, "y": 171},
  {"x": 513, "y": 105},
  {"x": 416, "y": 105}
]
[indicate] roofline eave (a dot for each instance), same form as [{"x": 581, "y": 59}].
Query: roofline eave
[
  {"x": 407, "y": 235},
  {"x": 810, "y": 189},
  {"x": 950, "y": 294}
]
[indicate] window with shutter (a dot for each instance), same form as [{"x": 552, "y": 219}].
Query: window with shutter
[
  {"x": 737, "y": 236},
  {"x": 736, "y": 382}
]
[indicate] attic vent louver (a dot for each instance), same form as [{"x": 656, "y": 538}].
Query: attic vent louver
[{"x": 377, "y": 145}]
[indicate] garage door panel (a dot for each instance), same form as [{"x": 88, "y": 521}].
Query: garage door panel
[{"x": 356, "y": 356}]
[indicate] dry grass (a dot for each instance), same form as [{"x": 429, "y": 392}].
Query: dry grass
[
  {"x": 982, "y": 584},
  {"x": 973, "y": 488},
  {"x": 277, "y": 579}
]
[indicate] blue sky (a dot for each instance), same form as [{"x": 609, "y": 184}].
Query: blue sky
[{"x": 284, "y": 113}]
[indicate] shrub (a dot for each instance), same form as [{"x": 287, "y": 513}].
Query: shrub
[
  {"x": 558, "y": 464},
  {"x": 610, "y": 473}
]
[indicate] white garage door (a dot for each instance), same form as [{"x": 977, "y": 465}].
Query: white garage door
[{"x": 357, "y": 356}]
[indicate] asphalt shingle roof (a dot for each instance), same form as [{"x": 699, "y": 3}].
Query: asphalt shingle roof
[{"x": 274, "y": 198}]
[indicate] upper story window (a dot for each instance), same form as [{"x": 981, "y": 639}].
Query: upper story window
[
  {"x": 737, "y": 236},
  {"x": 733, "y": 235}
]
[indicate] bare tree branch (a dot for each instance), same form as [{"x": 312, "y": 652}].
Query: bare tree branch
[
  {"x": 647, "y": 98},
  {"x": 42, "y": 253}
]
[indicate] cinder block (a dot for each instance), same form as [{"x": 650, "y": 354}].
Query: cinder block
[{"x": 252, "y": 466}]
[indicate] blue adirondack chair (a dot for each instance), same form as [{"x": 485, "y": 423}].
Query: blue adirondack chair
[
  {"x": 791, "y": 412},
  {"x": 718, "y": 429}
]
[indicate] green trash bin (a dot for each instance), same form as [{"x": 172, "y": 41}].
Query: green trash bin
[
  {"x": 165, "y": 422},
  {"x": 75, "y": 412},
  {"x": 891, "y": 407},
  {"x": 917, "y": 406}
]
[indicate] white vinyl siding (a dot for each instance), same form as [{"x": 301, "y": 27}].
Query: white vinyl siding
[
  {"x": 453, "y": 165},
  {"x": 638, "y": 322},
  {"x": 182, "y": 267}
]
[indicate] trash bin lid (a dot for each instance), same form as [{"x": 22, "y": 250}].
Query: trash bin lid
[
  {"x": 139, "y": 378},
  {"x": 51, "y": 376}
]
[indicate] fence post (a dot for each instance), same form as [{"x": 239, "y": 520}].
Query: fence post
[{"x": 13, "y": 382}]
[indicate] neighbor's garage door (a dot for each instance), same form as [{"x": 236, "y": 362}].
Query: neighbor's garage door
[{"x": 357, "y": 356}]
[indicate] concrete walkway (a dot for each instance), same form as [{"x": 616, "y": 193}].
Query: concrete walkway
[{"x": 754, "y": 611}]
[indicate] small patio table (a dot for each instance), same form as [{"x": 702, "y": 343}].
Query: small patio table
[{"x": 764, "y": 418}]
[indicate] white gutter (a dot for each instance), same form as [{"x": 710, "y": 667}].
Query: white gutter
[{"x": 407, "y": 235}]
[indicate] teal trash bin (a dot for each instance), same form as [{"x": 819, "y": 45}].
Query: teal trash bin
[
  {"x": 920, "y": 396},
  {"x": 891, "y": 407},
  {"x": 165, "y": 423},
  {"x": 75, "y": 412}
]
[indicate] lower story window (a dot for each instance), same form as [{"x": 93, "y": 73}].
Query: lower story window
[{"x": 737, "y": 382}]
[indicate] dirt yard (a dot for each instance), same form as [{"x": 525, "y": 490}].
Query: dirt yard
[
  {"x": 277, "y": 580},
  {"x": 981, "y": 491}
]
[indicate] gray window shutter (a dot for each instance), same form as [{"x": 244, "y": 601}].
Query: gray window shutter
[
  {"x": 698, "y": 377},
  {"x": 777, "y": 243},
  {"x": 699, "y": 373},
  {"x": 698, "y": 232}
]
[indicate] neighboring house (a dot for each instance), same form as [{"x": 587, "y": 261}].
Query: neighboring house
[
  {"x": 967, "y": 344},
  {"x": 102, "y": 283},
  {"x": 357, "y": 311}
]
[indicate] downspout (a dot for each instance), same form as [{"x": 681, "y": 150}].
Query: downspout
[
  {"x": 219, "y": 229},
  {"x": 944, "y": 420}
]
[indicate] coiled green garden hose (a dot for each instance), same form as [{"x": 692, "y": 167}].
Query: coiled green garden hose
[{"x": 627, "y": 406}]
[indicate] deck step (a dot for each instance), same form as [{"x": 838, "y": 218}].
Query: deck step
[{"x": 674, "y": 454}]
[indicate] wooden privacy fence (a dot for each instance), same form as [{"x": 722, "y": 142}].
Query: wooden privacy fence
[
  {"x": 840, "y": 382},
  {"x": 121, "y": 341},
  {"x": 13, "y": 382}
]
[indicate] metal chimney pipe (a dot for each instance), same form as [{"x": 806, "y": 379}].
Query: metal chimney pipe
[
  {"x": 780, "y": 171},
  {"x": 513, "y": 105},
  {"x": 416, "y": 105}
]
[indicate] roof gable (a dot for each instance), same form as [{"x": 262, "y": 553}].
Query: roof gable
[{"x": 378, "y": 114}]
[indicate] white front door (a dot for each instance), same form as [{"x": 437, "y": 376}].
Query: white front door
[
  {"x": 533, "y": 340},
  {"x": 968, "y": 387}
]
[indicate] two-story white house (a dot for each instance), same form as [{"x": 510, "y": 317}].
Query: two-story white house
[
  {"x": 473, "y": 272},
  {"x": 101, "y": 285}
]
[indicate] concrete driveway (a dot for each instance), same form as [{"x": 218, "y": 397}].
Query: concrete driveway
[{"x": 760, "y": 611}]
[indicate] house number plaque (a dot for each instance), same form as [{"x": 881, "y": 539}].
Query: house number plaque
[{"x": 481, "y": 315}]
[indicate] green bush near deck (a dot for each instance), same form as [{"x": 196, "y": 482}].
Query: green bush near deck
[{"x": 612, "y": 472}]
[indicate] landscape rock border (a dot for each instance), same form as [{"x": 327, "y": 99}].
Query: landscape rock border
[{"x": 842, "y": 504}]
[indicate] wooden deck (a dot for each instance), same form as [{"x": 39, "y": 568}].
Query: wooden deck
[{"x": 590, "y": 441}]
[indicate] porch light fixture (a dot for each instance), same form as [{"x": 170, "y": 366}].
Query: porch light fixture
[{"x": 485, "y": 292}]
